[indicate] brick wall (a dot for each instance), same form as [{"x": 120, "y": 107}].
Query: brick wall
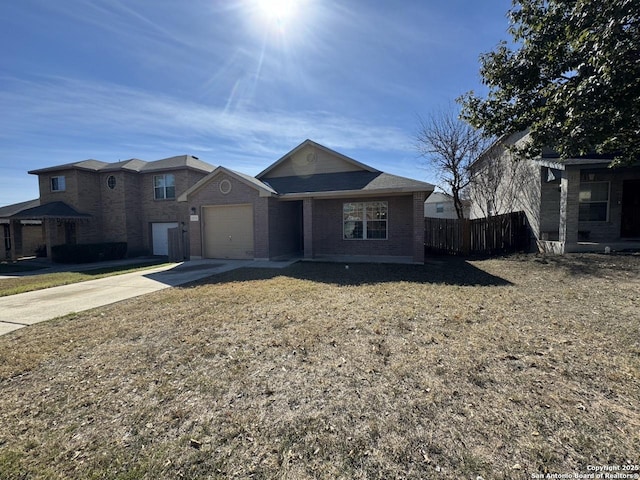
[
  {"x": 418, "y": 226},
  {"x": 81, "y": 192},
  {"x": 328, "y": 228},
  {"x": 285, "y": 227},
  {"x": 114, "y": 207},
  {"x": 158, "y": 211}
]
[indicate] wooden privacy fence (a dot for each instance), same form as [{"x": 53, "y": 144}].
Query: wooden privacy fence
[{"x": 486, "y": 236}]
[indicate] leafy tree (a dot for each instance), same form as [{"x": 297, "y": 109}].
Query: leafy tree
[
  {"x": 571, "y": 76},
  {"x": 450, "y": 145}
]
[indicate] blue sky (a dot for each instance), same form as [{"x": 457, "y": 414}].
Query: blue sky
[{"x": 232, "y": 82}]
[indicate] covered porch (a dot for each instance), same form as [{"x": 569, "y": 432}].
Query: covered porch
[
  {"x": 586, "y": 206},
  {"x": 58, "y": 225}
]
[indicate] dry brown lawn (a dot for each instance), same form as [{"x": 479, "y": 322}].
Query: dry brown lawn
[{"x": 499, "y": 369}]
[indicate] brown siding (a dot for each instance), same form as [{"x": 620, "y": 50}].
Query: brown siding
[{"x": 328, "y": 233}]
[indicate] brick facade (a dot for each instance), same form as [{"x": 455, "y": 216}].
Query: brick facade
[
  {"x": 328, "y": 237},
  {"x": 124, "y": 213},
  {"x": 240, "y": 193},
  {"x": 120, "y": 201}
]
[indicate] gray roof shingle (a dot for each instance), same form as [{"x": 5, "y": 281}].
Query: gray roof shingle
[
  {"x": 10, "y": 210},
  {"x": 50, "y": 210},
  {"x": 345, "y": 181},
  {"x": 133, "y": 165}
]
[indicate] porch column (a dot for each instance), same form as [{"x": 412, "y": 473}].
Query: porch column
[
  {"x": 418, "y": 226},
  {"x": 15, "y": 232},
  {"x": 569, "y": 209},
  {"x": 307, "y": 226},
  {"x": 50, "y": 234}
]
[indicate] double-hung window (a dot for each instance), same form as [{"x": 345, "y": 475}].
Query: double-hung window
[
  {"x": 593, "y": 201},
  {"x": 365, "y": 220},
  {"x": 58, "y": 184},
  {"x": 164, "y": 187}
]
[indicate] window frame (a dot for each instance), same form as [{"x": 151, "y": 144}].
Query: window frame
[
  {"x": 164, "y": 187},
  {"x": 61, "y": 183},
  {"x": 360, "y": 208},
  {"x": 439, "y": 207},
  {"x": 607, "y": 203}
]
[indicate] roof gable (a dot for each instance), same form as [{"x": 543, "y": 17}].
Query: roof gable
[
  {"x": 311, "y": 158},
  {"x": 263, "y": 189},
  {"x": 439, "y": 197}
]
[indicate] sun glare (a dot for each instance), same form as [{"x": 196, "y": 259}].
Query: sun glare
[{"x": 277, "y": 12}]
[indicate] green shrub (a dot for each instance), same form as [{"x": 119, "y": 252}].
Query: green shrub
[{"x": 89, "y": 252}]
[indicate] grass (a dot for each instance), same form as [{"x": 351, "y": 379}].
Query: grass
[
  {"x": 28, "y": 283},
  {"x": 496, "y": 369}
]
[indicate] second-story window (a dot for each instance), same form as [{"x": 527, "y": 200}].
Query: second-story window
[
  {"x": 58, "y": 184},
  {"x": 164, "y": 187}
]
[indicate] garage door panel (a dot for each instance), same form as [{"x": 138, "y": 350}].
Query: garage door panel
[{"x": 228, "y": 231}]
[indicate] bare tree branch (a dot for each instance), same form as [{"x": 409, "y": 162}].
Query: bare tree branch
[{"x": 450, "y": 146}]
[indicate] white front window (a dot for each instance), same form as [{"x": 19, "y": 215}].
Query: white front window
[
  {"x": 164, "y": 187},
  {"x": 365, "y": 220},
  {"x": 58, "y": 184}
]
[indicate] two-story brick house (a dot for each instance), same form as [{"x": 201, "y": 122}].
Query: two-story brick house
[{"x": 132, "y": 201}]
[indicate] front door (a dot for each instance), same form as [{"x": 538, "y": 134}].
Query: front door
[
  {"x": 630, "y": 224},
  {"x": 160, "y": 237}
]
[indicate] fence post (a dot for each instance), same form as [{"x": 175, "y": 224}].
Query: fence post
[{"x": 466, "y": 236}]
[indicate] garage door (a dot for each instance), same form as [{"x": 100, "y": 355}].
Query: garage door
[
  {"x": 228, "y": 231},
  {"x": 160, "y": 237}
]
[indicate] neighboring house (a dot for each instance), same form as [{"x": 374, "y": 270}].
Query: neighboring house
[
  {"x": 579, "y": 204},
  {"x": 32, "y": 237},
  {"x": 132, "y": 201},
  {"x": 313, "y": 202},
  {"x": 440, "y": 205}
]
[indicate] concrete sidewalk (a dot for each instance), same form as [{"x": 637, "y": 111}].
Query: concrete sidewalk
[{"x": 18, "y": 311}]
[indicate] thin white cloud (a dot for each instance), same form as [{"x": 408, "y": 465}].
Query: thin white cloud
[{"x": 99, "y": 112}]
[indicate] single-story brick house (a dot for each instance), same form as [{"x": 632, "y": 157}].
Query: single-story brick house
[{"x": 313, "y": 202}]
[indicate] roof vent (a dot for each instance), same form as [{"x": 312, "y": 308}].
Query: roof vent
[{"x": 193, "y": 156}]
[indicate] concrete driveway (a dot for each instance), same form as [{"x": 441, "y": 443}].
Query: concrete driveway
[{"x": 18, "y": 311}]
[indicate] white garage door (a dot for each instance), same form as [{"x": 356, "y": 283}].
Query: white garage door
[
  {"x": 160, "y": 237},
  {"x": 228, "y": 231}
]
